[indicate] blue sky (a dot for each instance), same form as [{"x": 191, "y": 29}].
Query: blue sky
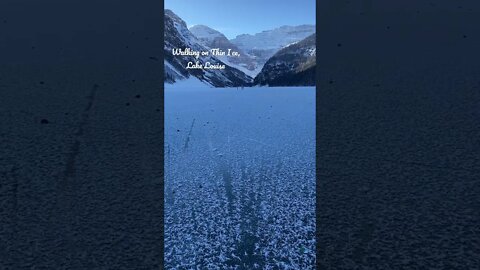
[{"x": 243, "y": 16}]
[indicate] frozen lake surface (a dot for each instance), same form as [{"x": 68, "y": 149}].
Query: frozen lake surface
[
  {"x": 399, "y": 139},
  {"x": 239, "y": 178}
]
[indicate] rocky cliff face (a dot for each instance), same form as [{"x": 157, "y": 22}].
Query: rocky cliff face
[
  {"x": 293, "y": 65},
  {"x": 265, "y": 44},
  {"x": 177, "y": 36},
  {"x": 213, "y": 39}
]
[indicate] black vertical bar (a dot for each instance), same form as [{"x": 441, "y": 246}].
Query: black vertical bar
[
  {"x": 397, "y": 135},
  {"x": 81, "y": 134}
]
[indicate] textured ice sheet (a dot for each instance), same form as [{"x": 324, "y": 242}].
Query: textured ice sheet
[
  {"x": 239, "y": 178},
  {"x": 398, "y": 141},
  {"x": 83, "y": 190}
]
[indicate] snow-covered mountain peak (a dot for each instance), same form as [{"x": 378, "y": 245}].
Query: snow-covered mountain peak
[
  {"x": 177, "y": 36},
  {"x": 205, "y": 32},
  {"x": 293, "y": 65},
  {"x": 174, "y": 17},
  {"x": 273, "y": 39}
]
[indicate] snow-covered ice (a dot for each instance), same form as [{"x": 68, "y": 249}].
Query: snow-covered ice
[
  {"x": 239, "y": 177},
  {"x": 398, "y": 137}
]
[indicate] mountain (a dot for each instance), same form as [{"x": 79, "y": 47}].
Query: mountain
[
  {"x": 206, "y": 34},
  {"x": 213, "y": 39},
  {"x": 293, "y": 65},
  {"x": 265, "y": 44},
  {"x": 177, "y": 36}
]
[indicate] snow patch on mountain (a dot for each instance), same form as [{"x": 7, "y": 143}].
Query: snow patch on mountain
[
  {"x": 213, "y": 39},
  {"x": 177, "y": 36},
  {"x": 203, "y": 32},
  {"x": 242, "y": 67},
  {"x": 293, "y": 65}
]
